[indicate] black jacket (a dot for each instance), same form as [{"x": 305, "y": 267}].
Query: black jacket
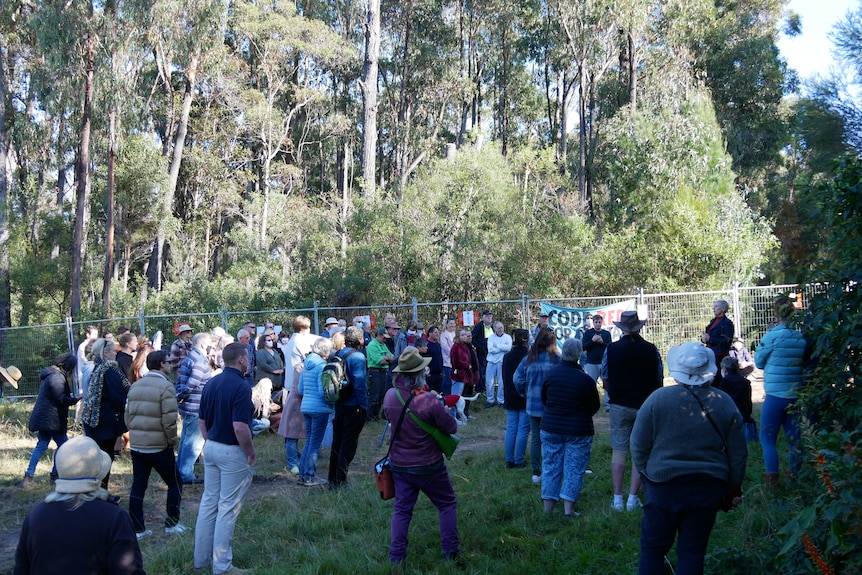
[
  {"x": 51, "y": 412},
  {"x": 571, "y": 399},
  {"x": 511, "y": 361}
]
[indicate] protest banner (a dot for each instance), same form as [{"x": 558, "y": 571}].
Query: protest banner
[{"x": 568, "y": 322}]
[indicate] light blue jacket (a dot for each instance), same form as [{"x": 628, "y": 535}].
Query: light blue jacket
[
  {"x": 529, "y": 379},
  {"x": 309, "y": 386},
  {"x": 780, "y": 355}
]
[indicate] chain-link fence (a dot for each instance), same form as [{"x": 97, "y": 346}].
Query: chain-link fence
[{"x": 672, "y": 318}]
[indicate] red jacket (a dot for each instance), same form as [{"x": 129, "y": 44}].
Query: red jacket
[{"x": 465, "y": 364}]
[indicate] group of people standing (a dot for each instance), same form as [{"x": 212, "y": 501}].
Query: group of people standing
[{"x": 687, "y": 442}]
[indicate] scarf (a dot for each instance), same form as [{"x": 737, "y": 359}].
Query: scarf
[{"x": 93, "y": 402}]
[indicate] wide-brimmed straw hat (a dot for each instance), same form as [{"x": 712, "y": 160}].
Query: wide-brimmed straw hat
[
  {"x": 411, "y": 362},
  {"x": 11, "y": 374},
  {"x": 691, "y": 363}
]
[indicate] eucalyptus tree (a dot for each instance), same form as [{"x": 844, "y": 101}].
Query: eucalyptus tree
[
  {"x": 841, "y": 92},
  {"x": 590, "y": 28},
  {"x": 419, "y": 83},
  {"x": 184, "y": 35},
  {"x": 368, "y": 85},
  {"x": 742, "y": 67},
  {"x": 288, "y": 62}
]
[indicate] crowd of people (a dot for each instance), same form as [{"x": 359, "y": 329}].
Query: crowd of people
[{"x": 209, "y": 394}]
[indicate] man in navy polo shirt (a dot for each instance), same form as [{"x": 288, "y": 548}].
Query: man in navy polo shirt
[{"x": 225, "y": 417}]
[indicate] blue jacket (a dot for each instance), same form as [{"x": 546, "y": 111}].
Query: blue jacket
[
  {"x": 529, "y": 379},
  {"x": 309, "y": 386},
  {"x": 780, "y": 355},
  {"x": 355, "y": 366}
]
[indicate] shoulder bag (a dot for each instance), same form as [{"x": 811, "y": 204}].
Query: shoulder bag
[{"x": 382, "y": 472}]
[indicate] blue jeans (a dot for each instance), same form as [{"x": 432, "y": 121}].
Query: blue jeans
[
  {"x": 447, "y": 380},
  {"x": 44, "y": 438},
  {"x": 687, "y": 506},
  {"x": 191, "y": 445},
  {"x": 315, "y": 428},
  {"x": 164, "y": 464},
  {"x": 774, "y": 415},
  {"x": 291, "y": 452},
  {"x": 564, "y": 460},
  {"x": 494, "y": 373},
  {"x": 517, "y": 433}
]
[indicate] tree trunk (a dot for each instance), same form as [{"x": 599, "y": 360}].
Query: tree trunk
[
  {"x": 5, "y": 284},
  {"x": 633, "y": 73},
  {"x": 156, "y": 260},
  {"x": 582, "y": 135},
  {"x": 109, "y": 221},
  {"x": 369, "y": 101},
  {"x": 79, "y": 238}
]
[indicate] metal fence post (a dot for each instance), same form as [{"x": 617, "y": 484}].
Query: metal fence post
[
  {"x": 70, "y": 335},
  {"x": 414, "y": 303},
  {"x": 223, "y": 318},
  {"x": 525, "y": 311},
  {"x": 737, "y": 310},
  {"x": 316, "y": 318}
]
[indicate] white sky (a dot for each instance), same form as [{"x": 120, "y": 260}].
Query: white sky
[{"x": 810, "y": 53}]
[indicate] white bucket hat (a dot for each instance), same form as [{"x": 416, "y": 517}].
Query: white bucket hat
[{"x": 691, "y": 363}]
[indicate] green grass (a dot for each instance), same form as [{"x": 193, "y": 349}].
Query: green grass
[{"x": 284, "y": 528}]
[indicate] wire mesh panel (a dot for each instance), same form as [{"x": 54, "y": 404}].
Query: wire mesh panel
[
  {"x": 673, "y": 318},
  {"x": 31, "y": 349},
  {"x": 282, "y": 319},
  {"x": 680, "y": 317},
  {"x": 165, "y": 324},
  {"x": 756, "y": 307}
]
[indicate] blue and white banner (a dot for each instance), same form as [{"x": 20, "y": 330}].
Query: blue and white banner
[{"x": 568, "y": 322}]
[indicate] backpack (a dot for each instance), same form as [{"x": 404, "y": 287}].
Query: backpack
[{"x": 334, "y": 379}]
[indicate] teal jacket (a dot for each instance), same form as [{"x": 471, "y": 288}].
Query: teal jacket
[{"x": 780, "y": 355}]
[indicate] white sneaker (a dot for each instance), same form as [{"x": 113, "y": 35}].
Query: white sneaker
[
  {"x": 537, "y": 479},
  {"x": 633, "y": 504},
  {"x": 141, "y": 534},
  {"x": 617, "y": 506},
  {"x": 178, "y": 528}
]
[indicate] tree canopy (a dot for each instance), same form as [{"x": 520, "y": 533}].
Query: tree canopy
[{"x": 159, "y": 154}]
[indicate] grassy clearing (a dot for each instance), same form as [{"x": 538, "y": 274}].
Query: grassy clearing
[{"x": 284, "y": 528}]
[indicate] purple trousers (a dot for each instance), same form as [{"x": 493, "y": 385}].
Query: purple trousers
[{"x": 438, "y": 488}]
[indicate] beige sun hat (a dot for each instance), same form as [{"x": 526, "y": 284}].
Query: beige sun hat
[
  {"x": 11, "y": 374},
  {"x": 81, "y": 466}
]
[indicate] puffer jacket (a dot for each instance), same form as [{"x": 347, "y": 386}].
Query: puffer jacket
[
  {"x": 781, "y": 356},
  {"x": 151, "y": 413},
  {"x": 51, "y": 412},
  {"x": 310, "y": 388}
]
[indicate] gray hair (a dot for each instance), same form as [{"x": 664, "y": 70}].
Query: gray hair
[
  {"x": 412, "y": 380},
  {"x": 322, "y": 346},
  {"x": 200, "y": 337},
  {"x": 572, "y": 349},
  {"x": 723, "y": 304}
]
